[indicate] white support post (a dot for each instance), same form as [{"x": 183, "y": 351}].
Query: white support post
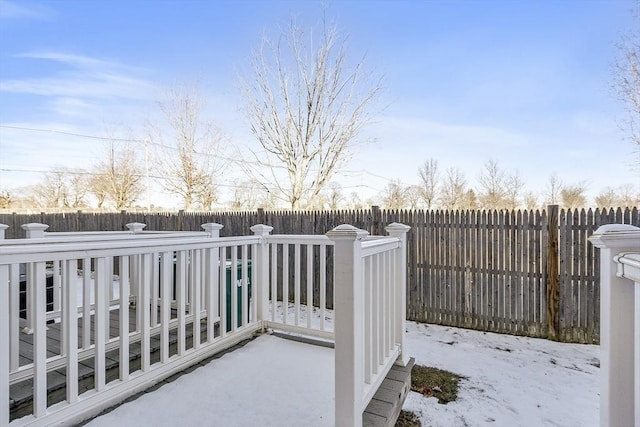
[
  {"x": 629, "y": 268},
  {"x": 3, "y": 227},
  {"x": 34, "y": 230},
  {"x": 261, "y": 263},
  {"x": 136, "y": 227},
  {"x": 4, "y": 344},
  {"x": 400, "y": 231},
  {"x": 349, "y": 324},
  {"x": 616, "y": 326}
]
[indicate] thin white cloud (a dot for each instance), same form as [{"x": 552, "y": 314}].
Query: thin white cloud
[
  {"x": 14, "y": 10},
  {"x": 86, "y": 77}
]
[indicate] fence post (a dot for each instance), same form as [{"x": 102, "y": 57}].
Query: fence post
[
  {"x": 376, "y": 219},
  {"x": 2, "y": 228},
  {"x": 399, "y": 231},
  {"x": 616, "y": 326},
  {"x": 348, "y": 330},
  {"x": 262, "y": 272},
  {"x": 552, "y": 278}
]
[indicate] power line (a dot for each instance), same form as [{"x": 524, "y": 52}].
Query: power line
[{"x": 170, "y": 147}]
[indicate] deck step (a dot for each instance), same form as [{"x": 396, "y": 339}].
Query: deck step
[{"x": 385, "y": 406}]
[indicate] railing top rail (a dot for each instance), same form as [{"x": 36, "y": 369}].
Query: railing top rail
[
  {"x": 311, "y": 239},
  {"x": 88, "y": 236},
  {"x": 379, "y": 245},
  {"x": 629, "y": 265},
  {"x": 40, "y": 252}
]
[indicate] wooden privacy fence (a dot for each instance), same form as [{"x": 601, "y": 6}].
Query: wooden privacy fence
[{"x": 520, "y": 272}]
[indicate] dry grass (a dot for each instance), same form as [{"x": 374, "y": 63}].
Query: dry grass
[{"x": 434, "y": 382}]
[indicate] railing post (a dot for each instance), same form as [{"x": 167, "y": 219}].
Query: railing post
[
  {"x": 213, "y": 229},
  {"x": 2, "y": 228},
  {"x": 629, "y": 268},
  {"x": 400, "y": 231},
  {"x": 34, "y": 230},
  {"x": 211, "y": 284},
  {"x": 262, "y": 272},
  {"x": 136, "y": 227},
  {"x": 349, "y": 324},
  {"x": 5, "y": 345},
  {"x": 616, "y": 326}
]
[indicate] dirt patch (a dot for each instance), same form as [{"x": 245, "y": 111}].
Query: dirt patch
[
  {"x": 434, "y": 382},
  {"x": 408, "y": 419}
]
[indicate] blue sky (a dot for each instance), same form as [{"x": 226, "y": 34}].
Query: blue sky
[{"x": 524, "y": 83}]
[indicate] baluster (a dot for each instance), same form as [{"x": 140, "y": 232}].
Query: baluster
[
  {"x": 124, "y": 318},
  {"x": 70, "y": 326}
]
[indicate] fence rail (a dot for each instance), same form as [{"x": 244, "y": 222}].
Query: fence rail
[{"x": 521, "y": 272}]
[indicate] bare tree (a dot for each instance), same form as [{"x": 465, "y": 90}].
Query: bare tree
[
  {"x": 627, "y": 83},
  {"x": 61, "y": 188},
  {"x": 248, "y": 195},
  {"x": 355, "y": 201},
  {"x": 413, "y": 195},
  {"x": 607, "y": 198},
  {"x": 492, "y": 185},
  {"x": 513, "y": 188},
  {"x": 429, "y": 178},
  {"x": 306, "y": 108},
  {"x": 623, "y": 196},
  {"x": 5, "y": 199},
  {"x": 573, "y": 196},
  {"x": 454, "y": 191},
  {"x": 531, "y": 200},
  {"x": 469, "y": 201},
  {"x": 627, "y": 196},
  {"x": 395, "y": 195},
  {"x": 191, "y": 150},
  {"x": 553, "y": 190},
  {"x": 335, "y": 197},
  {"x": 118, "y": 178}
]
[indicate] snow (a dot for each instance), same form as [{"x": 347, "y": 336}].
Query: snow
[{"x": 510, "y": 381}]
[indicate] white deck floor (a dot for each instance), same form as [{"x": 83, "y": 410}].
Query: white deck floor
[{"x": 269, "y": 382}]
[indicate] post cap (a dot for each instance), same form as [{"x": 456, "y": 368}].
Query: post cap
[
  {"x": 261, "y": 229},
  {"x": 136, "y": 227},
  {"x": 347, "y": 232},
  {"x": 396, "y": 227},
  {"x": 213, "y": 228}
]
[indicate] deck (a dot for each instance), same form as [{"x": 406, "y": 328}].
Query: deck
[
  {"x": 192, "y": 295},
  {"x": 21, "y": 394},
  {"x": 383, "y": 409}
]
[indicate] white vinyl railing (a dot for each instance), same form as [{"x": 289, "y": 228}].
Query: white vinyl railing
[
  {"x": 370, "y": 301},
  {"x": 181, "y": 286},
  {"x": 619, "y": 324},
  {"x": 173, "y": 285}
]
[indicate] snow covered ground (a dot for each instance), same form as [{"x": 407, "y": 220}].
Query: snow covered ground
[{"x": 511, "y": 381}]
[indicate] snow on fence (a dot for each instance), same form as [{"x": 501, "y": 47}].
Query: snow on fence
[
  {"x": 118, "y": 293},
  {"x": 619, "y": 324}
]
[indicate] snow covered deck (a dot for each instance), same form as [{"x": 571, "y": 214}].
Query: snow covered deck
[{"x": 191, "y": 295}]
